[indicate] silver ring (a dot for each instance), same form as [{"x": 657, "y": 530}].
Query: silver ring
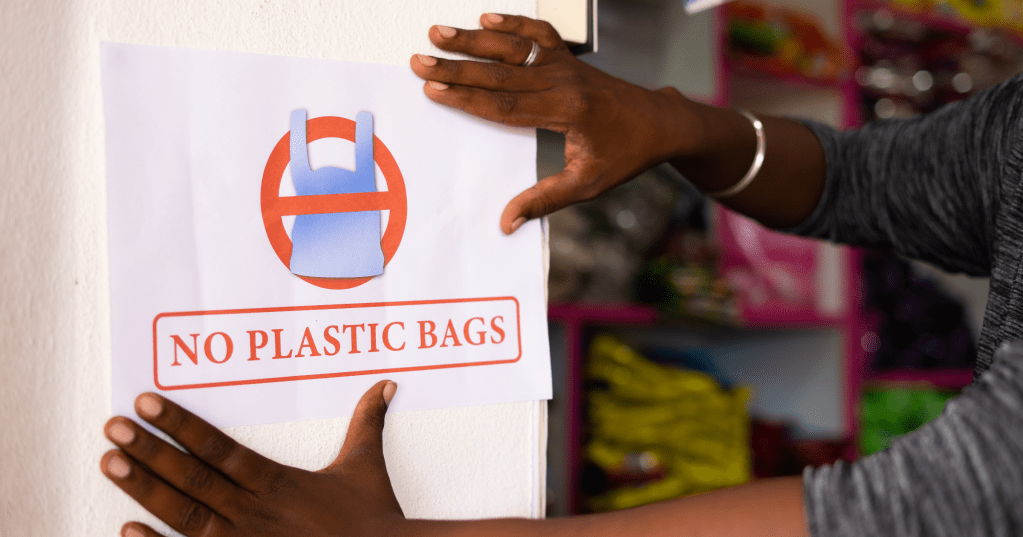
[{"x": 533, "y": 54}]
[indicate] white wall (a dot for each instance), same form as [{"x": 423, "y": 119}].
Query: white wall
[{"x": 54, "y": 317}]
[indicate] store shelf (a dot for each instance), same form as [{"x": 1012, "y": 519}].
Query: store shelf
[
  {"x": 575, "y": 324},
  {"x": 948, "y": 23},
  {"x": 578, "y": 322},
  {"x": 950, "y": 379},
  {"x": 793, "y": 320},
  {"x": 641, "y": 314},
  {"x": 603, "y": 313},
  {"x": 575, "y": 319},
  {"x": 749, "y": 67},
  {"x": 938, "y": 21}
]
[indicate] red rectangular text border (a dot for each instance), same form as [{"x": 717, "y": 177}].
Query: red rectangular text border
[{"x": 156, "y": 379}]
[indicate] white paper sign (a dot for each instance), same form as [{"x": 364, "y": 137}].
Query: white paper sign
[{"x": 285, "y": 232}]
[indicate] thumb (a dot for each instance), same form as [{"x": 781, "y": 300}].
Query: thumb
[
  {"x": 543, "y": 198},
  {"x": 365, "y": 433}
]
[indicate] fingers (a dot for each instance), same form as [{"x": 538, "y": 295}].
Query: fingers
[
  {"x": 365, "y": 434},
  {"x": 137, "y": 529},
  {"x": 517, "y": 109},
  {"x": 486, "y": 75},
  {"x": 543, "y": 198},
  {"x": 509, "y": 48},
  {"x": 540, "y": 31},
  {"x": 240, "y": 464},
  {"x": 510, "y": 94},
  {"x": 184, "y": 472},
  {"x": 180, "y": 512}
]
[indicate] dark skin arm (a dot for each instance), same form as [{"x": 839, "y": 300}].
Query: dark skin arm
[
  {"x": 613, "y": 129},
  {"x": 219, "y": 488}
]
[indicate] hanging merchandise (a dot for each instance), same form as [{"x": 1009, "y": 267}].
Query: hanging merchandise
[
  {"x": 681, "y": 275},
  {"x": 987, "y": 13},
  {"x": 659, "y": 432},
  {"x": 920, "y": 325},
  {"x": 914, "y": 64},
  {"x": 783, "y": 42},
  {"x": 597, "y": 247},
  {"x": 980, "y": 12}
]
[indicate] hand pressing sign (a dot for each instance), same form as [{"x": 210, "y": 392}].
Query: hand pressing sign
[
  {"x": 613, "y": 129},
  {"x": 219, "y": 488}
]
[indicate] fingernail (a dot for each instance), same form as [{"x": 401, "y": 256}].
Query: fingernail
[
  {"x": 118, "y": 467},
  {"x": 132, "y": 532},
  {"x": 494, "y": 18},
  {"x": 121, "y": 434},
  {"x": 149, "y": 406},
  {"x": 518, "y": 223},
  {"x": 428, "y": 61},
  {"x": 389, "y": 390},
  {"x": 437, "y": 85},
  {"x": 446, "y": 32}
]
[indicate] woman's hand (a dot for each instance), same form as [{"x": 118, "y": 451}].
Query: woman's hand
[
  {"x": 613, "y": 129},
  {"x": 220, "y": 488}
]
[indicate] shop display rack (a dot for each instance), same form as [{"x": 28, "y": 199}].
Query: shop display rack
[{"x": 577, "y": 323}]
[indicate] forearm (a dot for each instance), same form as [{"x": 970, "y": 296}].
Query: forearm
[
  {"x": 788, "y": 186},
  {"x": 770, "y": 507}
]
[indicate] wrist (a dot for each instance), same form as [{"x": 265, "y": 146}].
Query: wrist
[
  {"x": 713, "y": 145},
  {"x": 681, "y": 125}
]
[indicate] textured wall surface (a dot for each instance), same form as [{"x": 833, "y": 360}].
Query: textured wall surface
[{"x": 54, "y": 317}]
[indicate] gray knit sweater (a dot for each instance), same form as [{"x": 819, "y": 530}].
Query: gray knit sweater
[{"x": 944, "y": 188}]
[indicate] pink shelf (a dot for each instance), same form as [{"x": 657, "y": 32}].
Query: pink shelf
[
  {"x": 794, "y": 320},
  {"x": 747, "y": 68},
  {"x": 640, "y": 314},
  {"x": 602, "y": 313},
  {"x": 951, "y": 379}
]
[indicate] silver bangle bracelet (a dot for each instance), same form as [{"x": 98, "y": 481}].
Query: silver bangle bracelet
[{"x": 754, "y": 169}]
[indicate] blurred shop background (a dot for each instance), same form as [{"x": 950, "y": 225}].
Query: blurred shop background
[{"x": 692, "y": 349}]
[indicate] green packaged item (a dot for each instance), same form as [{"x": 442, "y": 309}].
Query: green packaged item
[{"x": 886, "y": 413}]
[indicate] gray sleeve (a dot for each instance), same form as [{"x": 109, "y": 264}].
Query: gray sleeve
[
  {"x": 928, "y": 187},
  {"x": 960, "y": 475}
]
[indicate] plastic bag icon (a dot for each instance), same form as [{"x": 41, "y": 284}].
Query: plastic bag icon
[{"x": 335, "y": 245}]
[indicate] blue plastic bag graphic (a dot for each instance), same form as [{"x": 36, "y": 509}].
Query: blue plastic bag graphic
[{"x": 335, "y": 245}]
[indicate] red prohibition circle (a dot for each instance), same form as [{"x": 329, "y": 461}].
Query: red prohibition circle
[{"x": 274, "y": 206}]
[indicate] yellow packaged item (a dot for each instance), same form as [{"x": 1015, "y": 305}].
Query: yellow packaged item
[{"x": 697, "y": 431}]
